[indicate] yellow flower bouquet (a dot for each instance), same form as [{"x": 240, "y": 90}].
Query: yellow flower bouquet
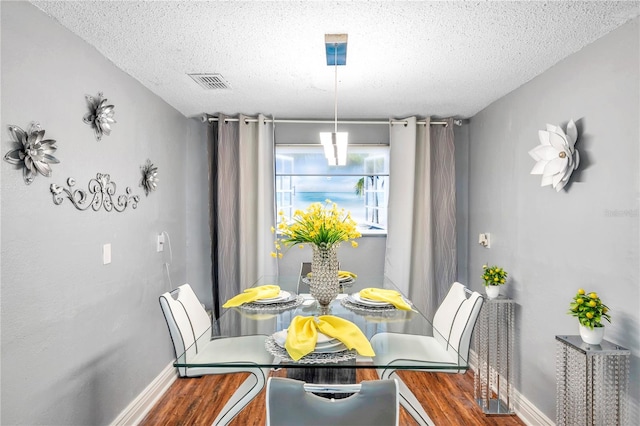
[{"x": 323, "y": 225}]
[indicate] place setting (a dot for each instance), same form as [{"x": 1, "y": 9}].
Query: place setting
[
  {"x": 319, "y": 339},
  {"x": 267, "y": 298},
  {"x": 345, "y": 278},
  {"x": 377, "y": 301}
]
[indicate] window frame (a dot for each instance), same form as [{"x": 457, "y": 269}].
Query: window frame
[{"x": 320, "y": 151}]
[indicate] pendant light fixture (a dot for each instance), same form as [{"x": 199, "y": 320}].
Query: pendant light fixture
[{"x": 335, "y": 143}]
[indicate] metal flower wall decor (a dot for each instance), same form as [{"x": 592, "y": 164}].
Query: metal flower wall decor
[
  {"x": 33, "y": 152},
  {"x": 100, "y": 115},
  {"x": 103, "y": 191},
  {"x": 149, "y": 181},
  {"x": 556, "y": 155}
]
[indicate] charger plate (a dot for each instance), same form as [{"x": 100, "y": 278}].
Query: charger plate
[
  {"x": 313, "y": 358},
  {"x": 290, "y": 303}
]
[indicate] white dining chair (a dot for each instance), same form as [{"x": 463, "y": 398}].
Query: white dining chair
[
  {"x": 295, "y": 403},
  {"x": 448, "y": 348},
  {"x": 190, "y": 330}
]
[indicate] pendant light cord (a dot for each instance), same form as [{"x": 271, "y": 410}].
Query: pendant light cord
[{"x": 335, "y": 89}]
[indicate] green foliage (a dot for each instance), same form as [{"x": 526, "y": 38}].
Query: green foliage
[
  {"x": 589, "y": 309},
  {"x": 493, "y": 275}
]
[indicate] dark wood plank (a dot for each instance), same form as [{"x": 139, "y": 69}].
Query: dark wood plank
[{"x": 447, "y": 398}]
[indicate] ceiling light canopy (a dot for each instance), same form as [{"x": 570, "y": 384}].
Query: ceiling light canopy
[
  {"x": 335, "y": 143},
  {"x": 336, "y": 49}
]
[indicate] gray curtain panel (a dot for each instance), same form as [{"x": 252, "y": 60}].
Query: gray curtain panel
[
  {"x": 421, "y": 253},
  {"x": 443, "y": 201},
  {"x": 224, "y": 205},
  {"x": 242, "y": 204}
]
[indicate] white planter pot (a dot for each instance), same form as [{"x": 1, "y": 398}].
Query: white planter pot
[
  {"x": 592, "y": 337},
  {"x": 493, "y": 291}
]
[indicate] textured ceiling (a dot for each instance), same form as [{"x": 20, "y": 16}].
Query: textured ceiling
[{"x": 427, "y": 58}]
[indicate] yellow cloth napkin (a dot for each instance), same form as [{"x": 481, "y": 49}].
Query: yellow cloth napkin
[
  {"x": 385, "y": 295},
  {"x": 302, "y": 335},
  {"x": 252, "y": 294}
]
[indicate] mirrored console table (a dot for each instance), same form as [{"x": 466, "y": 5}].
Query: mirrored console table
[
  {"x": 493, "y": 340},
  {"x": 592, "y": 382}
]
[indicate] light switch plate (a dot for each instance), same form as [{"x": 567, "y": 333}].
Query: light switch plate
[
  {"x": 485, "y": 240},
  {"x": 106, "y": 254}
]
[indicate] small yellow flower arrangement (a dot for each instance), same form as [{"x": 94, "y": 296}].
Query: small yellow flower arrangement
[
  {"x": 321, "y": 224},
  {"x": 493, "y": 275},
  {"x": 589, "y": 309}
]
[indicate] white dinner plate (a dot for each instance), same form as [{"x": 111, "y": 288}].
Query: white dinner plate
[
  {"x": 367, "y": 302},
  {"x": 324, "y": 344},
  {"x": 284, "y": 296},
  {"x": 281, "y": 336},
  {"x": 328, "y": 350}
]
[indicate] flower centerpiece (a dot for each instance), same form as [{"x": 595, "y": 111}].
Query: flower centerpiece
[
  {"x": 324, "y": 227},
  {"x": 590, "y": 311},
  {"x": 493, "y": 277}
]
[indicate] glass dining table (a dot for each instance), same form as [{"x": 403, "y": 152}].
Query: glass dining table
[
  {"x": 334, "y": 367},
  {"x": 267, "y": 319}
]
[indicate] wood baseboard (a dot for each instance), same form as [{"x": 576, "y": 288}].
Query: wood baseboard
[
  {"x": 523, "y": 408},
  {"x": 144, "y": 402}
]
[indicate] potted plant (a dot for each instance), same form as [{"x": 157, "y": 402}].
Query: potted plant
[
  {"x": 590, "y": 311},
  {"x": 494, "y": 277}
]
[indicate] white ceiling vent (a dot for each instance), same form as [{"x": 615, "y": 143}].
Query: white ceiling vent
[{"x": 210, "y": 81}]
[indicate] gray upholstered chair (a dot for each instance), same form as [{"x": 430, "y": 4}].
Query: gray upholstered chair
[
  {"x": 453, "y": 326},
  {"x": 292, "y": 402},
  {"x": 190, "y": 329}
]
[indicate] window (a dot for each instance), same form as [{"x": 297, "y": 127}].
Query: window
[{"x": 303, "y": 177}]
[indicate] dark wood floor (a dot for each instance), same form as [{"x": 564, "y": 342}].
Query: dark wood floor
[{"x": 447, "y": 398}]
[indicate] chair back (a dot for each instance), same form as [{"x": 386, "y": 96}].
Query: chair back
[
  {"x": 455, "y": 319},
  {"x": 188, "y": 322},
  {"x": 376, "y": 403},
  {"x": 305, "y": 268},
  {"x": 447, "y": 311}
]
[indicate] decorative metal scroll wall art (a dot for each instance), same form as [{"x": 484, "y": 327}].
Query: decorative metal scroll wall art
[
  {"x": 100, "y": 115},
  {"x": 149, "y": 181},
  {"x": 33, "y": 152},
  {"x": 103, "y": 195}
]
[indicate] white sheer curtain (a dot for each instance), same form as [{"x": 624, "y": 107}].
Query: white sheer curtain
[
  {"x": 421, "y": 252},
  {"x": 242, "y": 204}
]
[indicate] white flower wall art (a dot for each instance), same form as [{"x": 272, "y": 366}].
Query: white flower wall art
[{"x": 556, "y": 155}]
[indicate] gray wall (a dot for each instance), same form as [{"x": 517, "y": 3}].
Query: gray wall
[
  {"x": 554, "y": 243},
  {"x": 369, "y": 256},
  {"x": 80, "y": 340},
  {"x": 461, "y": 143},
  {"x": 196, "y": 189}
]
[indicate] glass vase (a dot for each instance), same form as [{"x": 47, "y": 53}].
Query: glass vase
[{"x": 324, "y": 282}]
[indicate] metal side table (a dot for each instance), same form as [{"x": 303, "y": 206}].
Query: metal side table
[
  {"x": 592, "y": 382},
  {"x": 493, "y": 339}
]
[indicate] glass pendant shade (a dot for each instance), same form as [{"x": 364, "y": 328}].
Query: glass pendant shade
[{"x": 335, "y": 147}]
